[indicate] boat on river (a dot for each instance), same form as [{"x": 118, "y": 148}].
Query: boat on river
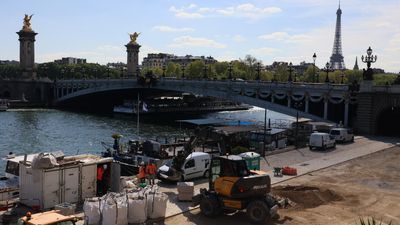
[{"x": 134, "y": 152}]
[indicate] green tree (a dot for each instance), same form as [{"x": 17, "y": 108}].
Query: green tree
[{"x": 195, "y": 69}]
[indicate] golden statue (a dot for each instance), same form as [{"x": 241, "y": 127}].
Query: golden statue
[
  {"x": 133, "y": 37},
  {"x": 27, "y": 23}
]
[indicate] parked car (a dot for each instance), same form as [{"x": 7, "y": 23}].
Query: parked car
[
  {"x": 321, "y": 141},
  {"x": 196, "y": 165},
  {"x": 342, "y": 134}
]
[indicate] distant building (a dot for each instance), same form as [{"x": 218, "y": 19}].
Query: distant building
[
  {"x": 70, "y": 60},
  {"x": 9, "y": 62},
  {"x": 157, "y": 60},
  {"x": 356, "y": 65},
  {"x": 117, "y": 65},
  {"x": 299, "y": 69}
]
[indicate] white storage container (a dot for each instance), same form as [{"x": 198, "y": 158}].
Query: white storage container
[
  {"x": 137, "y": 208},
  {"x": 156, "y": 205}
]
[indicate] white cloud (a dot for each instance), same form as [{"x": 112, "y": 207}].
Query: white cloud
[
  {"x": 283, "y": 36},
  {"x": 246, "y": 10},
  {"x": 263, "y": 51},
  {"x": 278, "y": 36},
  {"x": 239, "y": 38},
  {"x": 188, "y": 41},
  {"x": 186, "y": 15},
  {"x": 172, "y": 29}
]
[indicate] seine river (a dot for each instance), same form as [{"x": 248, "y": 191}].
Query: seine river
[{"x": 36, "y": 130}]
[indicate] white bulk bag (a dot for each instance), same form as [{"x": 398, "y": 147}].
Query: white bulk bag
[
  {"x": 91, "y": 209},
  {"x": 137, "y": 210},
  {"x": 156, "y": 205},
  {"x": 122, "y": 207},
  {"x": 114, "y": 210}
]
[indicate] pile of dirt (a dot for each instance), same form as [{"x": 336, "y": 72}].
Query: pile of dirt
[{"x": 306, "y": 197}]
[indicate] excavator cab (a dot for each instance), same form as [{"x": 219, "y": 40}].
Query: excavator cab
[{"x": 232, "y": 186}]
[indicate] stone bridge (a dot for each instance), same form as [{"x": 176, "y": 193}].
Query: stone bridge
[
  {"x": 369, "y": 110},
  {"x": 321, "y": 102}
]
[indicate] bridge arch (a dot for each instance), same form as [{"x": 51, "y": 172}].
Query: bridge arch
[{"x": 279, "y": 97}]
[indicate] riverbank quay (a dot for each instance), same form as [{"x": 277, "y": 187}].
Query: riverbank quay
[{"x": 304, "y": 160}]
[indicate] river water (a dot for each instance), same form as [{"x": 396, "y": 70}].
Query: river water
[{"x": 36, "y": 130}]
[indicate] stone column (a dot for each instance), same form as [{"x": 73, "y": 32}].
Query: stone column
[
  {"x": 346, "y": 113},
  {"x": 132, "y": 48},
  {"x": 27, "y": 53},
  {"x": 306, "y": 100},
  {"x": 325, "y": 108}
]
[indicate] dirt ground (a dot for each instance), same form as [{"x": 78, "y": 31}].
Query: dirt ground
[{"x": 364, "y": 187}]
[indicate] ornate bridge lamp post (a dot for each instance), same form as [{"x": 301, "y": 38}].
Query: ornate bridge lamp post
[
  {"x": 108, "y": 72},
  {"x": 230, "y": 69},
  {"x": 368, "y": 59},
  {"x": 137, "y": 72},
  {"x": 297, "y": 106},
  {"x": 183, "y": 70},
  {"x": 290, "y": 72},
  {"x": 62, "y": 74},
  {"x": 164, "y": 67},
  {"x": 258, "y": 71},
  {"x": 314, "y": 58},
  {"x": 205, "y": 70},
  {"x": 327, "y": 69},
  {"x": 342, "y": 77},
  {"x": 122, "y": 72},
  {"x": 83, "y": 73}
]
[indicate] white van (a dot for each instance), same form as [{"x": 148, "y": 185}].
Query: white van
[
  {"x": 321, "y": 140},
  {"x": 196, "y": 165},
  {"x": 342, "y": 134}
]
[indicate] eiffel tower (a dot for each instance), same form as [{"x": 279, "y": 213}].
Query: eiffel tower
[{"x": 337, "y": 62}]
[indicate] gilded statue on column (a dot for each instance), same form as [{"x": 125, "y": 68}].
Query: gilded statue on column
[
  {"x": 133, "y": 37},
  {"x": 27, "y": 23}
]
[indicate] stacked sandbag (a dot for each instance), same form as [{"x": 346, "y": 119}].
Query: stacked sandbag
[
  {"x": 156, "y": 205},
  {"x": 92, "y": 210},
  {"x": 133, "y": 206},
  {"x": 137, "y": 207},
  {"x": 114, "y": 209}
]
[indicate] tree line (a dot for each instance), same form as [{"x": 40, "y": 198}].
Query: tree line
[{"x": 248, "y": 68}]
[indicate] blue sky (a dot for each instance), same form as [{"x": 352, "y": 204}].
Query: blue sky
[{"x": 270, "y": 30}]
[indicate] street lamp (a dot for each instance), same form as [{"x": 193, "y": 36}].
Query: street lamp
[
  {"x": 108, "y": 72},
  {"x": 258, "y": 71},
  {"x": 369, "y": 58},
  {"x": 183, "y": 70},
  {"x": 297, "y": 106},
  {"x": 122, "y": 72},
  {"x": 137, "y": 72},
  {"x": 290, "y": 72},
  {"x": 327, "y": 69},
  {"x": 230, "y": 71},
  {"x": 342, "y": 77},
  {"x": 205, "y": 70},
  {"x": 314, "y": 58},
  {"x": 164, "y": 67}
]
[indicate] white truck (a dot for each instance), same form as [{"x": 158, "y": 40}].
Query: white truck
[
  {"x": 342, "y": 134},
  {"x": 195, "y": 165},
  {"x": 321, "y": 141}
]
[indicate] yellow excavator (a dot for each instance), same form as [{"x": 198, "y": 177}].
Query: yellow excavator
[{"x": 232, "y": 186}]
